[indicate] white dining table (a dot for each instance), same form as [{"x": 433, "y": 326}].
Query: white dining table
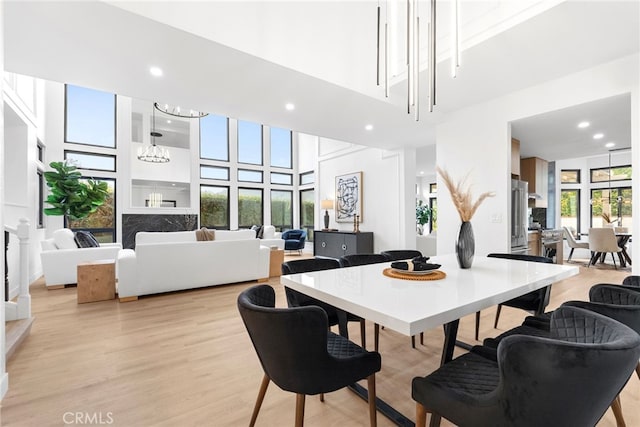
[{"x": 414, "y": 306}]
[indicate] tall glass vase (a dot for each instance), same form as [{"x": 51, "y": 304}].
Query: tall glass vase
[{"x": 465, "y": 245}]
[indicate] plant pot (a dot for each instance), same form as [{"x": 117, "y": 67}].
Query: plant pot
[{"x": 465, "y": 245}]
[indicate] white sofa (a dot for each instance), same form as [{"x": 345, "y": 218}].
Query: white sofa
[
  {"x": 171, "y": 261},
  {"x": 270, "y": 237},
  {"x": 60, "y": 257}
]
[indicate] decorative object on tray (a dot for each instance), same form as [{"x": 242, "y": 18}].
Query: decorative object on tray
[
  {"x": 462, "y": 200},
  {"x": 416, "y": 265},
  {"x": 407, "y": 275},
  {"x": 348, "y": 197}
]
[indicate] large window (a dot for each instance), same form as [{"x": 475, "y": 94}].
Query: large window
[
  {"x": 90, "y": 161},
  {"x": 249, "y": 143},
  {"x": 214, "y": 207},
  {"x": 616, "y": 173},
  {"x": 214, "y": 137},
  {"x": 282, "y": 209},
  {"x": 281, "y": 148},
  {"x": 101, "y": 223},
  {"x": 307, "y": 211},
  {"x": 570, "y": 209},
  {"x": 611, "y": 206},
  {"x": 90, "y": 117},
  {"x": 246, "y": 175},
  {"x": 250, "y": 207},
  {"x": 570, "y": 176}
]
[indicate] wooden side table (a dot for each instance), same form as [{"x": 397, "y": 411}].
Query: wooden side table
[
  {"x": 96, "y": 281},
  {"x": 276, "y": 258}
]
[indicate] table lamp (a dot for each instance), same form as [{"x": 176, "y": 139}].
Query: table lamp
[{"x": 326, "y": 205}]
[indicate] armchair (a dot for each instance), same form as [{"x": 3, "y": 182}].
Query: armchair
[{"x": 294, "y": 240}]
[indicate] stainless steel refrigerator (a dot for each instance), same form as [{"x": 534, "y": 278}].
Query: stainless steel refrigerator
[{"x": 519, "y": 216}]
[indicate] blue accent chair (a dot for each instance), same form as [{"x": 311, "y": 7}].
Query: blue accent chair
[{"x": 294, "y": 240}]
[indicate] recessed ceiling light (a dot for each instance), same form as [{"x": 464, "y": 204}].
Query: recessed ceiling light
[
  {"x": 421, "y": 172},
  {"x": 598, "y": 136},
  {"x": 610, "y": 144},
  {"x": 289, "y": 106},
  {"x": 583, "y": 125},
  {"x": 369, "y": 127},
  {"x": 155, "y": 71},
  {"x": 168, "y": 121}
]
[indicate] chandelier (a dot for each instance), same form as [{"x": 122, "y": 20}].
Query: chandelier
[
  {"x": 174, "y": 110},
  {"x": 153, "y": 153}
]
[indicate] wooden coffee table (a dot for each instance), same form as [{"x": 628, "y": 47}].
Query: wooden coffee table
[{"x": 96, "y": 281}]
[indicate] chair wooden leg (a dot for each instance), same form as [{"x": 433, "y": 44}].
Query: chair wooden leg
[
  {"x": 570, "y": 254},
  {"x": 614, "y": 261},
  {"x": 371, "y": 385},
  {"x": 616, "y": 407},
  {"x": 421, "y": 338},
  {"x": 495, "y": 323},
  {"x": 421, "y": 415},
  {"x": 477, "y": 325},
  {"x": 321, "y": 397},
  {"x": 413, "y": 341},
  {"x": 376, "y": 336},
  {"x": 261, "y": 393},
  {"x": 363, "y": 334},
  {"x": 300, "y": 410}
]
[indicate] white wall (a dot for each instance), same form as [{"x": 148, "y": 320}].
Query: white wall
[
  {"x": 4, "y": 377},
  {"x": 476, "y": 141},
  {"x": 388, "y": 190}
]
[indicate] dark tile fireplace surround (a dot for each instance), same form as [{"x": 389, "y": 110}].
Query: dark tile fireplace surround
[{"x": 132, "y": 223}]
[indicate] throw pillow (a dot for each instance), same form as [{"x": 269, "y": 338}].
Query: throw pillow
[
  {"x": 205, "y": 235},
  {"x": 84, "y": 239},
  {"x": 64, "y": 239},
  {"x": 258, "y": 229},
  {"x": 261, "y": 232}
]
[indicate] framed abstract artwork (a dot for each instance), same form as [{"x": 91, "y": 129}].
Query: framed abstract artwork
[{"x": 348, "y": 197}]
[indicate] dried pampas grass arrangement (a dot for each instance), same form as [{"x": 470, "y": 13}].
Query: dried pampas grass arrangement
[{"x": 461, "y": 196}]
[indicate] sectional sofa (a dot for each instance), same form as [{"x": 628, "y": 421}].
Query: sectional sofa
[{"x": 171, "y": 261}]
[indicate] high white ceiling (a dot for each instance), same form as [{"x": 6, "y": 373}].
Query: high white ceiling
[{"x": 321, "y": 56}]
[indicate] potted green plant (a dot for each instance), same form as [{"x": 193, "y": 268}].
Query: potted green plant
[
  {"x": 70, "y": 196},
  {"x": 423, "y": 213}
]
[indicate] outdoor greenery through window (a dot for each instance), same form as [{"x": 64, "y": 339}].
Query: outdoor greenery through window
[
  {"x": 611, "y": 206},
  {"x": 618, "y": 173},
  {"x": 249, "y": 142},
  {"x": 281, "y": 148},
  {"x": 249, "y": 207},
  {"x": 214, "y": 138},
  {"x": 214, "y": 207},
  {"x": 90, "y": 117},
  {"x": 570, "y": 209},
  {"x": 570, "y": 176},
  {"x": 101, "y": 223},
  {"x": 282, "y": 209},
  {"x": 307, "y": 211}
]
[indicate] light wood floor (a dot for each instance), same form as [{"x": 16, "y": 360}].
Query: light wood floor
[{"x": 184, "y": 359}]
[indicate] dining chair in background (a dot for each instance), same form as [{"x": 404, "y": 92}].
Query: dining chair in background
[
  {"x": 534, "y": 302},
  {"x": 300, "y": 355},
  {"x": 533, "y": 380},
  {"x": 601, "y": 242},
  {"x": 298, "y": 299},
  {"x": 573, "y": 243},
  {"x": 401, "y": 254}
]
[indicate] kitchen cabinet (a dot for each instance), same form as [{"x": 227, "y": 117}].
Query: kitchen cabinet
[
  {"x": 335, "y": 244},
  {"x": 515, "y": 158},
  {"x": 536, "y": 172}
]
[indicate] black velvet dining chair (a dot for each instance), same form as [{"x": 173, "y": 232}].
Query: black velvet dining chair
[
  {"x": 299, "y": 354},
  {"x": 362, "y": 259},
  {"x": 621, "y": 303},
  {"x": 568, "y": 379},
  {"x": 534, "y": 302},
  {"x": 631, "y": 281},
  {"x": 298, "y": 299}
]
